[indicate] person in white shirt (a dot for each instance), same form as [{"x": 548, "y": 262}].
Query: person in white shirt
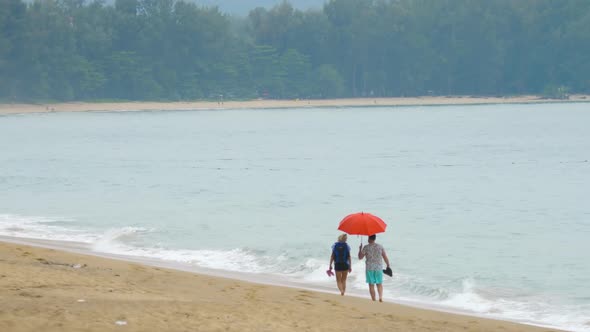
[{"x": 374, "y": 255}]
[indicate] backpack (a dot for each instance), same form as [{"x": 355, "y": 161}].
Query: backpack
[{"x": 341, "y": 252}]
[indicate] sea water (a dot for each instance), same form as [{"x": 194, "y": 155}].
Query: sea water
[{"x": 487, "y": 206}]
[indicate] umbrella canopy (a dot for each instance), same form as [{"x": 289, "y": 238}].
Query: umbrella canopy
[{"x": 362, "y": 223}]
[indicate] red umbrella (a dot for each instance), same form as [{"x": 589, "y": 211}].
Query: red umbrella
[{"x": 362, "y": 223}]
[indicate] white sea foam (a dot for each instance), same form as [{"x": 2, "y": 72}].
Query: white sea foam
[
  {"x": 114, "y": 242},
  {"x": 469, "y": 299},
  {"x": 318, "y": 272},
  {"x": 534, "y": 310},
  {"x": 44, "y": 228}
]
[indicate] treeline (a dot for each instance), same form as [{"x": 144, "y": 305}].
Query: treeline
[{"x": 172, "y": 50}]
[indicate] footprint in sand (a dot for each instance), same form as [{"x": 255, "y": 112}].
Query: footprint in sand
[
  {"x": 251, "y": 294},
  {"x": 231, "y": 287},
  {"x": 333, "y": 303},
  {"x": 304, "y": 297},
  {"x": 26, "y": 294}
]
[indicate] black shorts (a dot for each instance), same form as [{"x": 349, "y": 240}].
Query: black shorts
[{"x": 341, "y": 266}]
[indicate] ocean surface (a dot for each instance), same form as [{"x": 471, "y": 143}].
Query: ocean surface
[{"x": 487, "y": 206}]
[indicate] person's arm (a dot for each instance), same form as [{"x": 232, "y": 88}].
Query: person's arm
[
  {"x": 349, "y": 260},
  {"x": 331, "y": 260},
  {"x": 385, "y": 258},
  {"x": 361, "y": 253}
]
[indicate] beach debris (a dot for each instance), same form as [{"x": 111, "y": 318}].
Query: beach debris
[
  {"x": 75, "y": 266},
  {"x": 81, "y": 301},
  {"x": 121, "y": 322},
  {"x": 43, "y": 261}
]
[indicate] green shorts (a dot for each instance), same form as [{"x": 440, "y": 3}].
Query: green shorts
[{"x": 374, "y": 277}]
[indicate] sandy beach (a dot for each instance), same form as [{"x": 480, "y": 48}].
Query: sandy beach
[
  {"x": 50, "y": 290},
  {"x": 269, "y": 104}
]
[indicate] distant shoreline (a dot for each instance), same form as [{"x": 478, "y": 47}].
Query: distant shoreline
[{"x": 19, "y": 108}]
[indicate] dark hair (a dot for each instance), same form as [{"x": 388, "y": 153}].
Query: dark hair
[{"x": 372, "y": 237}]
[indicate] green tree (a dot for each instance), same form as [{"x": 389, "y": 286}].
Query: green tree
[
  {"x": 330, "y": 83},
  {"x": 12, "y": 26},
  {"x": 296, "y": 68}
]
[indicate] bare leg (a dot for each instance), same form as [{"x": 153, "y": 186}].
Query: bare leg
[
  {"x": 380, "y": 290},
  {"x": 339, "y": 281},
  {"x": 343, "y": 280},
  {"x": 372, "y": 291}
]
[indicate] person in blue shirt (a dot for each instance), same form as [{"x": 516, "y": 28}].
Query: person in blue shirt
[{"x": 342, "y": 262}]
